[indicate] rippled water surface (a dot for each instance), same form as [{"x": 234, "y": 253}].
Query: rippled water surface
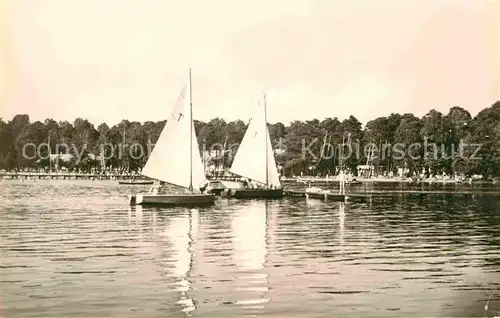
[{"x": 77, "y": 249}]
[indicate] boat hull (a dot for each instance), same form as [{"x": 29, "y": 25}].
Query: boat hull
[
  {"x": 327, "y": 195},
  {"x": 353, "y": 182},
  {"x": 142, "y": 182},
  {"x": 175, "y": 199},
  {"x": 256, "y": 193}
]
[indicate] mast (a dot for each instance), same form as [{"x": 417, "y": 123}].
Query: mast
[
  {"x": 266, "y": 132},
  {"x": 191, "y": 136},
  {"x": 222, "y": 164},
  {"x": 203, "y": 151}
]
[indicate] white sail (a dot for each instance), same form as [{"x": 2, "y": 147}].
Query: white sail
[
  {"x": 255, "y": 157},
  {"x": 176, "y": 148}
]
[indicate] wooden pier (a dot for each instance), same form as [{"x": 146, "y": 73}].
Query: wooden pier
[
  {"x": 330, "y": 196},
  {"x": 68, "y": 176},
  {"x": 368, "y": 196}
]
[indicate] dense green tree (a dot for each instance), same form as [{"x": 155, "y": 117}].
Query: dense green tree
[
  {"x": 407, "y": 152},
  {"x": 352, "y": 143},
  {"x": 301, "y": 145},
  {"x": 7, "y": 146},
  {"x": 485, "y": 137},
  {"x": 329, "y": 150},
  {"x": 105, "y": 148},
  {"x": 307, "y": 146},
  {"x": 457, "y": 123},
  {"x": 65, "y": 135},
  {"x": 377, "y": 133},
  {"x": 434, "y": 135},
  {"x": 18, "y": 124},
  {"x": 235, "y": 132}
]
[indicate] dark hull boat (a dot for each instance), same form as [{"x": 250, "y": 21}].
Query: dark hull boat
[
  {"x": 135, "y": 182},
  {"x": 256, "y": 193}
]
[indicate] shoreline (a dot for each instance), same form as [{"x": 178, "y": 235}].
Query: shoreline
[
  {"x": 383, "y": 180},
  {"x": 67, "y": 176},
  {"x": 299, "y": 180}
]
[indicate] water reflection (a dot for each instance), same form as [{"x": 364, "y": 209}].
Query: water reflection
[
  {"x": 129, "y": 215},
  {"x": 315, "y": 202},
  {"x": 179, "y": 231},
  {"x": 76, "y": 249},
  {"x": 341, "y": 225},
  {"x": 138, "y": 214},
  {"x": 249, "y": 239},
  {"x": 138, "y": 223}
]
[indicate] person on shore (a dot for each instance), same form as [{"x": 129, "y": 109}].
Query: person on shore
[{"x": 342, "y": 179}]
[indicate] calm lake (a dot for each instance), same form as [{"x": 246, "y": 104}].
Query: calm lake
[{"x": 77, "y": 249}]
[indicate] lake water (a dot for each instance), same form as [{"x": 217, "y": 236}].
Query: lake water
[{"x": 77, "y": 249}]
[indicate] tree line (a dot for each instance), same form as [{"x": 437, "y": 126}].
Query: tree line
[{"x": 452, "y": 143}]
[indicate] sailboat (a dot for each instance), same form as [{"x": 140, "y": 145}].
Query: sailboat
[
  {"x": 176, "y": 160},
  {"x": 255, "y": 161}
]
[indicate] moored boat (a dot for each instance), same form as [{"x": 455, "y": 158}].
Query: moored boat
[
  {"x": 318, "y": 193},
  {"x": 353, "y": 182},
  {"x": 245, "y": 193}
]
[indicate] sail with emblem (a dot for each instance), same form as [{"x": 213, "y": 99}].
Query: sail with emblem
[
  {"x": 255, "y": 156},
  {"x": 175, "y": 158}
]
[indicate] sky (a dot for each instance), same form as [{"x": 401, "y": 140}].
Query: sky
[{"x": 108, "y": 60}]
